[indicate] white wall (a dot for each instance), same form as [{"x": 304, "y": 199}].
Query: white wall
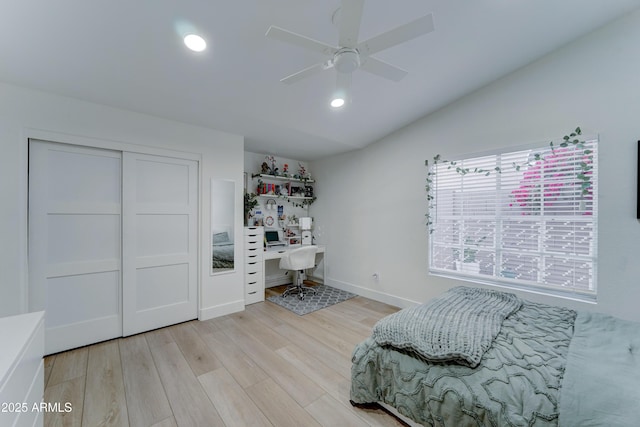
[
  {"x": 24, "y": 113},
  {"x": 373, "y": 203}
]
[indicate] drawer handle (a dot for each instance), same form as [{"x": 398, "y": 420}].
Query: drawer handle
[
  {"x": 253, "y": 249},
  {"x": 253, "y": 272},
  {"x": 252, "y": 283},
  {"x": 252, "y": 263},
  {"x": 253, "y": 293}
]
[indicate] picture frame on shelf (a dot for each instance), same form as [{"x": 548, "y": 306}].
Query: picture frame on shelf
[{"x": 308, "y": 191}]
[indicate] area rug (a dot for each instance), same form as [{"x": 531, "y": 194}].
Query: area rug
[{"x": 325, "y": 296}]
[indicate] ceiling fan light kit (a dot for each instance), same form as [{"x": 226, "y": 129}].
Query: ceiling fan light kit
[
  {"x": 195, "y": 42},
  {"x": 346, "y": 60},
  {"x": 337, "y": 102},
  {"x": 350, "y": 55}
]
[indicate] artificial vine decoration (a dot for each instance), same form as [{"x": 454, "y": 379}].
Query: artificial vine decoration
[{"x": 583, "y": 175}]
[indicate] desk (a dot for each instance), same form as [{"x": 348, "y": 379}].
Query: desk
[
  {"x": 255, "y": 264},
  {"x": 277, "y": 253}
]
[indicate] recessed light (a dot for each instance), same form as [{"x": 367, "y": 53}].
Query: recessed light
[
  {"x": 195, "y": 42},
  {"x": 337, "y": 102}
]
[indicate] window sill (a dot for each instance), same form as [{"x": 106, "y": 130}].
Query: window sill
[{"x": 511, "y": 286}]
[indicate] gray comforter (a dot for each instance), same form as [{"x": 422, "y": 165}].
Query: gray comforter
[
  {"x": 516, "y": 384},
  {"x": 601, "y": 386},
  {"x": 457, "y": 327}
]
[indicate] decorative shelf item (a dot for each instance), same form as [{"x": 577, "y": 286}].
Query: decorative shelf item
[
  {"x": 282, "y": 178},
  {"x": 297, "y": 191}
]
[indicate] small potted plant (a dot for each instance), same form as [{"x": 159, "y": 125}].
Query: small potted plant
[
  {"x": 250, "y": 202},
  {"x": 271, "y": 165}
]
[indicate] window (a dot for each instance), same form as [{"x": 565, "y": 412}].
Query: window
[{"x": 525, "y": 219}]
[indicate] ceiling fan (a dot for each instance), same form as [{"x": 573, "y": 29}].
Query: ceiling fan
[{"x": 350, "y": 54}]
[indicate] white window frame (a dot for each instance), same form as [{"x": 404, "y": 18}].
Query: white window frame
[{"x": 444, "y": 242}]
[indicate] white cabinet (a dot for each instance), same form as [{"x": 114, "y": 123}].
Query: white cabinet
[
  {"x": 253, "y": 265},
  {"x": 22, "y": 369}
]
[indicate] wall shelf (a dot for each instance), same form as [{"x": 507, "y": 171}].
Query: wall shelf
[
  {"x": 293, "y": 190},
  {"x": 282, "y": 178},
  {"x": 275, "y": 196}
]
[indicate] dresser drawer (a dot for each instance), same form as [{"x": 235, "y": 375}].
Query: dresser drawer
[
  {"x": 253, "y": 276},
  {"x": 253, "y": 242},
  {"x": 252, "y": 266},
  {"x": 22, "y": 367},
  {"x": 254, "y": 231},
  {"x": 257, "y": 252},
  {"x": 253, "y": 286},
  {"x": 254, "y": 297},
  {"x": 253, "y": 257}
]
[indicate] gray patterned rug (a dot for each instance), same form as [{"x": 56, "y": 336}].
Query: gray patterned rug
[{"x": 326, "y": 296}]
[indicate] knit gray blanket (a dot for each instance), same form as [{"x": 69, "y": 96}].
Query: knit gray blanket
[{"x": 457, "y": 327}]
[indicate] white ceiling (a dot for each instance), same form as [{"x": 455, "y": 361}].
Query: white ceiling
[{"x": 129, "y": 54}]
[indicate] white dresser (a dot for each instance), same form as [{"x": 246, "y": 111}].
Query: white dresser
[
  {"x": 253, "y": 265},
  {"x": 22, "y": 370}
]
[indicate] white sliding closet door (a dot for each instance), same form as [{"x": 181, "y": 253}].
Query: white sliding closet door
[
  {"x": 160, "y": 205},
  {"x": 74, "y": 243}
]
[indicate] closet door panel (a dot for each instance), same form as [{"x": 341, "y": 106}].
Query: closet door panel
[
  {"x": 173, "y": 240},
  {"x": 162, "y": 286},
  {"x": 97, "y": 295},
  {"x": 83, "y": 237},
  {"x": 74, "y": 243},
  {"x": 160, "y": 206}
]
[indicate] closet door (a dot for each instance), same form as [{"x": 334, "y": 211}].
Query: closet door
[
  {"x": 160, "y": 205},
  {"x": 74, "y": 243}
]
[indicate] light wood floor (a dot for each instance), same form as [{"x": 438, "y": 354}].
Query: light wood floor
[{"x": 265, "y": 366}]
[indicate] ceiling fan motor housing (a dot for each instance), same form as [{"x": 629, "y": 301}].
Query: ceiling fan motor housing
[{"x": 346, "y": 60}]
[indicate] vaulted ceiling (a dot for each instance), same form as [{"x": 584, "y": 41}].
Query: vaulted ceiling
[{"x": 130, "y": 55}]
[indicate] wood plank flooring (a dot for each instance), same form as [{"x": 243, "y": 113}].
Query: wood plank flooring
[{"x": 265, "y": 366}]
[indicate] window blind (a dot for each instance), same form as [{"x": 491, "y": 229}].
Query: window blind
[{"x": 524, "y": 219}]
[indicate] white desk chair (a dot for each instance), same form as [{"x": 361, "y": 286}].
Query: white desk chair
[{"x": 299, "y": 259}]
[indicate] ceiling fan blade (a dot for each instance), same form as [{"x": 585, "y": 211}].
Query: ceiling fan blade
[
  {"x": 383, "y": 69},
  {"x": 349, "y": 25},
  {"x": 398, "y": 35},
  {"x": 300, "y": 40},
  {"x": 309, "y": 71}
]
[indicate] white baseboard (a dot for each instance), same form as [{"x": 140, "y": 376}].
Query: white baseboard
[
  {"x": 372, "y": 294},
  {"x": 221, "y": 310}
]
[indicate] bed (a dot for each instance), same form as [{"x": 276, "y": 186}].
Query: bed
[
  {"x": 475, "y": 357},
  {"x": 222, "y": 251}
]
